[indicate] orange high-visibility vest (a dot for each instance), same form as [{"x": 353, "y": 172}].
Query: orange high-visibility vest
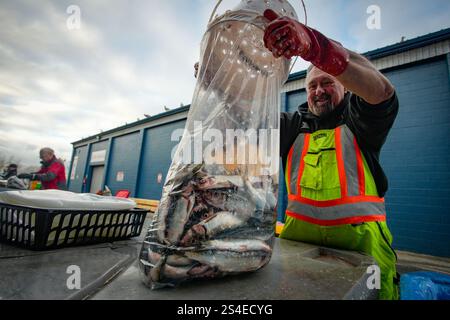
[{"x": 329, "y": 182}]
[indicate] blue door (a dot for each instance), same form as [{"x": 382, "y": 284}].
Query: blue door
[
  {"x": 76, "y": 176},
  {"x": 156, "y": 159},
  {"x": 123, "y": 163},
  {"x": 416, "y": 159}
]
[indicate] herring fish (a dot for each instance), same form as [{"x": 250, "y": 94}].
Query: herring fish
[
  {"x": 213, "y": 225},
  {"x": 233, "y": 256},
  {"x": 220, "y": 182}
]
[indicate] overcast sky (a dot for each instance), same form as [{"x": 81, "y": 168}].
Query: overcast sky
[{"x": 133, "y": 57}]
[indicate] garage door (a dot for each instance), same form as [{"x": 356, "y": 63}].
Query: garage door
[
  {"x": 416, "y": 158},
  {"x": 156, "y": 159},
  {"x": 78, "y": 166}
]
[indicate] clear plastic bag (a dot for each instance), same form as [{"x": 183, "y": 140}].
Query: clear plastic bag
[{"x": 217, "y": 213}]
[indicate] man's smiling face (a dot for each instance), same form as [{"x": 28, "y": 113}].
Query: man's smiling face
[{"x": 324, "y": 92}]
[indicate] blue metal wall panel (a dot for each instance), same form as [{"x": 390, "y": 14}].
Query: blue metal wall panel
[
  {"x": 98, "y": 146},
  {"x": 156, "y": 159},
  {"x": 416, "y": 159},
  {"x": 282, "y": 196},
  {"x": 69, "y": 170},
  {"x": 108, "y": 157},
  {"x": 123, "y": 158},
  {"x": 102, "y": 145},
  {"x": 295, "y": 99},
  {"x": 76, "y": 185}
]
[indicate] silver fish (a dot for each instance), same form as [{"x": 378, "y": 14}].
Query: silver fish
[
  {"x": 178, "y": 218},
  {"x": 172, "y": 215},
  {"x": 264, "y": 199},
  {"x": 211, "y": 226},
  {"x": 220, "y": 182},
  {"x": 175, "y": 186},
  {"x": 173, "y": 268},
  {"x": 233, "y": 255},
  {"x": 235, "y": 201},
  {"x": 175, "y": 260},
  {"x": 186, "y": 272},
  {"x": 178, "y": 261},
  {"x": 155, "y": 272}
]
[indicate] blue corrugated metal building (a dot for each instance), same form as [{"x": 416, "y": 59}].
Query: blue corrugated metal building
[{"x": 416, "y": 156}]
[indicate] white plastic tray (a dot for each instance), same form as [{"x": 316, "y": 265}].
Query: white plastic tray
[{"x": 64, "y": 200}]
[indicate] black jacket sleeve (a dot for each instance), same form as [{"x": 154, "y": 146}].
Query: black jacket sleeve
[
  {"x": 45, "y": 177},
  {"x": 290, "y": 125},
  {"x": 371, "y": 123}
]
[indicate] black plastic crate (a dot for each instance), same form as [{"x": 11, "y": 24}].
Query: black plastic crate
[{"x": 43, "y": 229}]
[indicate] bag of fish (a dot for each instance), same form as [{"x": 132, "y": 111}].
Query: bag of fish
[{"x": 217, "y": 213}]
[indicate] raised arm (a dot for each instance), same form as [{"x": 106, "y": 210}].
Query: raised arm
[
  {"x": 363, "y": 79},
  {"x": 288, "y": 37}
]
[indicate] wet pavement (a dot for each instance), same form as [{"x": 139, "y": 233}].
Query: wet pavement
[{"x": 50, "y": 275}]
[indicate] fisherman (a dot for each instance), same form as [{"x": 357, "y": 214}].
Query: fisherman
[
  {"x": 331, "y": 146},
  {"x": 52, "y": 173}
]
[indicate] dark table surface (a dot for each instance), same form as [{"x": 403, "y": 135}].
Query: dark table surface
[{"x": 110, "y": 271}]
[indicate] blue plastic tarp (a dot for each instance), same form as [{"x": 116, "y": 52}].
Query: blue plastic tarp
[{"x": 425, "y": 285}]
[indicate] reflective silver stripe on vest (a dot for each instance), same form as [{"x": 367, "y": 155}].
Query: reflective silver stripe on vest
[
  {"x": 350, "y": 161},
  {"x": 339, "y": 211},
  {"x": 295, "y": 163}
]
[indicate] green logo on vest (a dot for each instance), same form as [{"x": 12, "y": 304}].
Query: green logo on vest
[{"x": 320, "y": 135}]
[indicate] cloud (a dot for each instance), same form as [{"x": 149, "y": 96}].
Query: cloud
[
  {"x": 133, "y": 57},
  {"x": 58, "y": 86}
]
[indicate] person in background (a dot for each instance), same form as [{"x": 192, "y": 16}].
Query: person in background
[
  {"x": 52, "y": 173},
  {"x": 9, "y": 172}
]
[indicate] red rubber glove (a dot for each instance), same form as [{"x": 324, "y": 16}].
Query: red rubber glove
[{"x": 288, "y": 37}]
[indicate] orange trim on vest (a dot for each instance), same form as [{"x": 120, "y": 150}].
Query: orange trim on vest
[
  {"x": 340, "y": 162},
  {"x": 360, "y": 164},
  {"x": 330, "y": 203},
  {"x": 302, "y": 164},
  {"x": 352, "y": 220},
  {"x": 288, "y": 169}
]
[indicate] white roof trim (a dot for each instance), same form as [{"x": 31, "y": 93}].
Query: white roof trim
[{"x": 147, "y": 125}]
